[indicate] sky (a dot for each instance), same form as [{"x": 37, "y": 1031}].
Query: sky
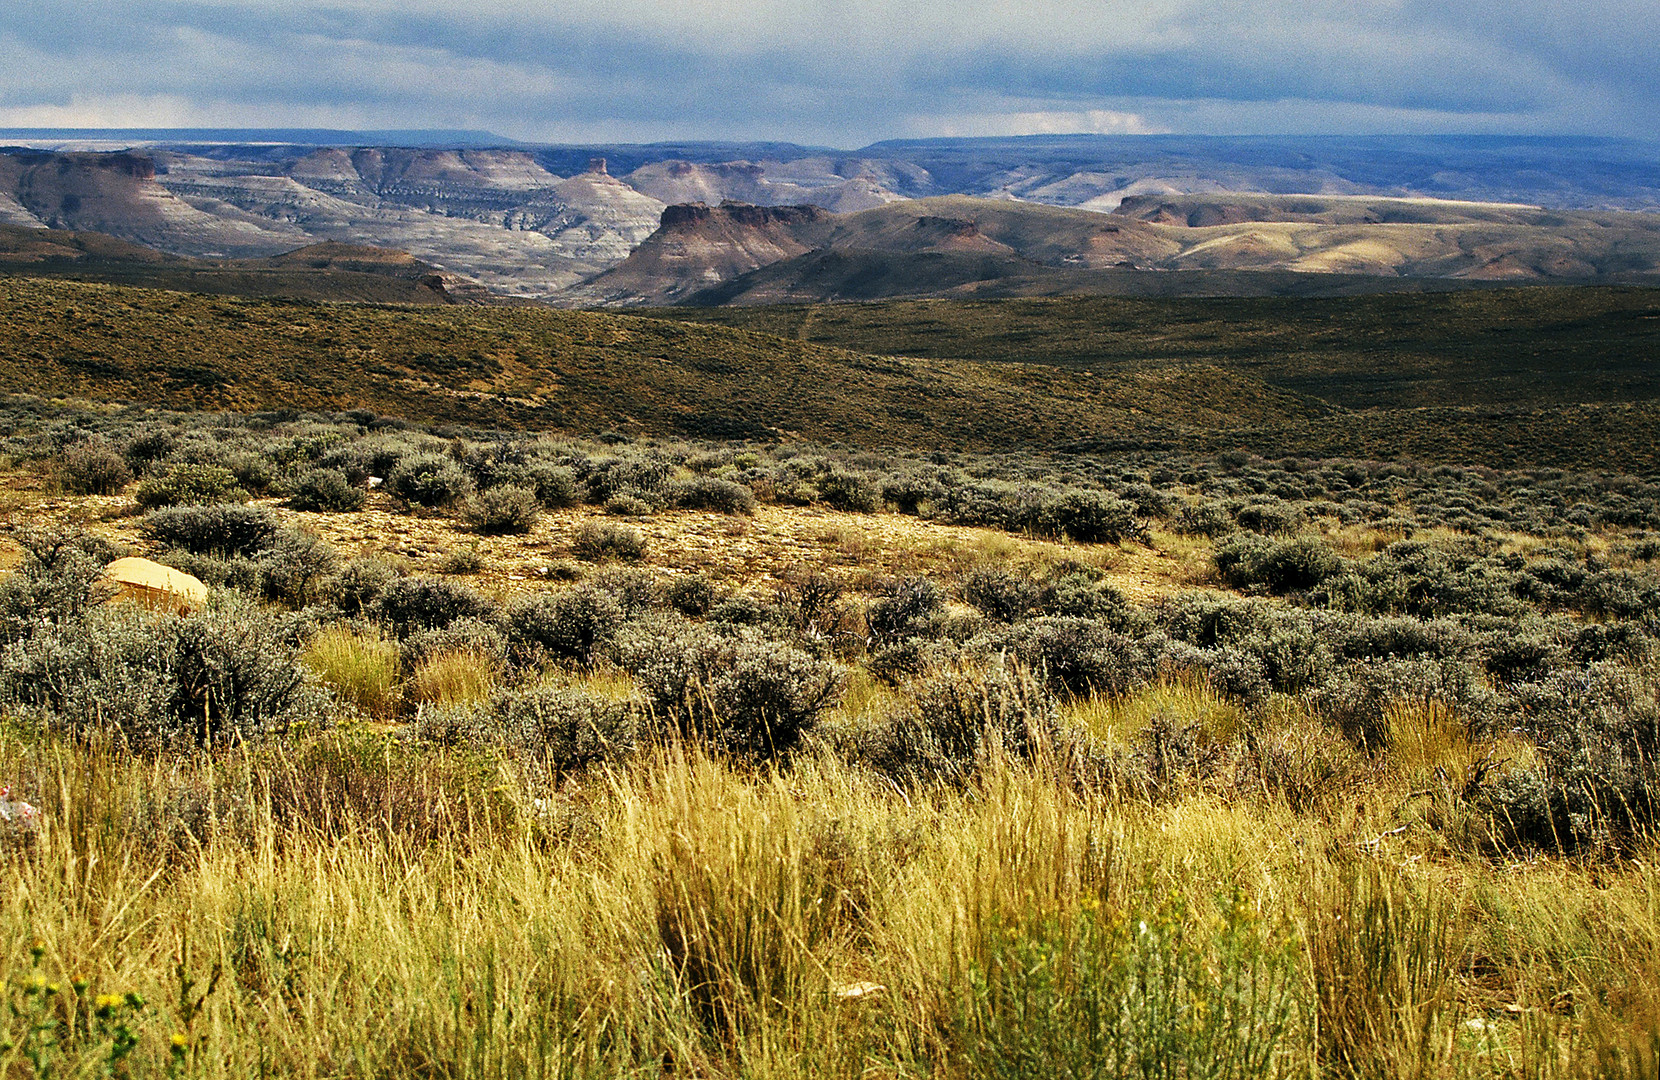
[{"x": 836, "y": 72}]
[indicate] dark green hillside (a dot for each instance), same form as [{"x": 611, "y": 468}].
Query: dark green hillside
[
  {"x": 1517, "y": 348},
  {"x": 1522, "y": 378},
  {"x": 573, "y": 371}
]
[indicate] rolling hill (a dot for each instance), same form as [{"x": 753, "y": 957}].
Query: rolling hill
[
  {"x": 326, "y": 271},
  {"x": 538, "y": 368},
  {"x": 961, "y": 246},
  {"x": 1501, "y": 377}
]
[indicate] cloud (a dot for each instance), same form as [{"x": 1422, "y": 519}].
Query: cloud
[
  {"x": 1086, "y": 122},
  {"x": 840, "y": 72}
]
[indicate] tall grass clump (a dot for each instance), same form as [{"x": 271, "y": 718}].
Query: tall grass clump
[
  {"x": 1108, "y": 993},
  {"x": 360, "y": 666},
  {"x": 453, "y": 677},
  {"x": 1384, "y": 957},
  {"x": 741, "y": 901}
]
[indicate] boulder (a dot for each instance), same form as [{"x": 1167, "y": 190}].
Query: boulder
[{"x": 146, "y": 582}]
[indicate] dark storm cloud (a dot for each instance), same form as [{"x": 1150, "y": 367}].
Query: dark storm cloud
[{"x": 841, "y": 71}]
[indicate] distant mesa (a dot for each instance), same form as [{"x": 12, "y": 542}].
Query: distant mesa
[
  {"x": 605, "y": 224},
  {"x": 955, "y": 246}
]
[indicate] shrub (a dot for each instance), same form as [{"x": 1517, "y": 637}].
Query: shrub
[
  {"x": 1270, "y": 518},
  {"x": 1078, "y": 656},
  {"x": 1401, "y": 637},
  {"x": 222, "y": 529},
  {"x": 568, "y": 728},
  {"x": 463, "y": 635},
  {"x": 555, "y": 485},
  {"x": 216, "y": 571},
  {"x": 709, "y": 493},
  {"x": 575, "y": 624},
  {"x": 149, "y": 447},
  {"x": 955, "y": 720},
  {"x": 503, "y": 510},
  {"x": 467, "y": 559},
  {"x": 765, "y": 696},
  {"x": 431, "y": 480},
  {"x": 467, "y": 723},
  {"x": 93, "y": 468},
  {"x": 1235, "y": 674},
  {"x": 327, "y": 491},
  {"x": 1295, "y": 646},
  {"x": 359, "y": 584},
  {"x": 670, "y": 659},
  {"x": 1357, "y": 698},
  {"x": 1148, "y": 501},
  {"x": 905, "y": 608},
  {"x": 1091, "y": 517},
  {"x": 295, "y": 567},
  {"x": 596, "y": 541},
  {"x": 226, "y": 674},
  {"x": 424, "y": 603},
  {"x": 1411, "y": 577},
  {"x": 633, "y": 588},
  {"x": 59, "y": 582},
  {"x": 1598, "y": 785},
  {"x": 913, "y": 493},
  {"x": 812, "y": 600},
  {"x": 848, "y": 491},
  {"x": 190, "y": 484},
  {"x": 690, "y": 594},
  {"x": 742, "y": 610},
  {"x": 1000, "y": 594},
  {"x": 643, "y": 476},
  {"x": 742, "y": 692},
  {"x": 254, "y": 472},
  {"x": 1276, "y": 565},
  {"x": 1204, "y": 519},
  {"x": 1082, "y": 595},
  {"x": 238, "y": 674},
  {"x": 628, "y": 503}
]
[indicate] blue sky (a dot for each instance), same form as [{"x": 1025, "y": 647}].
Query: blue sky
[{"x": 836, "y": 72}]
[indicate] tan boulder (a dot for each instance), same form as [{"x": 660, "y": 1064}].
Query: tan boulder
[{"x": 143, "y": 581}]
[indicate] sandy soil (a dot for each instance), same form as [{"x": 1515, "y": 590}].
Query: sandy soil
[{"x": 742, "y": 553}]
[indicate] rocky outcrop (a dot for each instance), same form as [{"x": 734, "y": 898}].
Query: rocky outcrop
[
  {"x": 119, "y": 194},
  {"x": 536, "y": 224},
  {"x": 696, "y": 246}
]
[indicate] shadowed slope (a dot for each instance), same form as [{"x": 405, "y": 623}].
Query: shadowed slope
[{"x": 574, "y": 371}]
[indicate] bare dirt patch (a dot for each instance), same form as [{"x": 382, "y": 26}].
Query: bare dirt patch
[{"x": 751, "y": 554}]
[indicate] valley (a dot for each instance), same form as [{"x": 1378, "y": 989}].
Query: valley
[{"x": 962, "y": 608}]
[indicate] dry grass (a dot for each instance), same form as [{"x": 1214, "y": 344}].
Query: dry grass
[
  {"x": 758, "y": 554},
  {"x": 453, "y": 677},
  {"x": 346, "y": 908},
  {"x": 1118, "y": 722},
  {"x": 361, "y": 667}
]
